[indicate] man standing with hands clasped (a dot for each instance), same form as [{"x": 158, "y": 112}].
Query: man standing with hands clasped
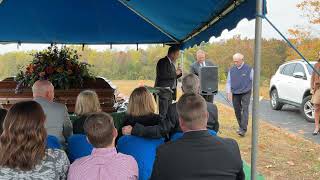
[{"x": 239, "y": 87}]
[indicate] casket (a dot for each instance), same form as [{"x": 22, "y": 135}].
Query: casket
[{"x": 103, "y": 87}]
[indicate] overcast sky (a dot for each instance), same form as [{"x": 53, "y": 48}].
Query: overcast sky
[{"x": 283, "y": 13}]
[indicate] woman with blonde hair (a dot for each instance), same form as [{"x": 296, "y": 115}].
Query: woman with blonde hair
[
  {"x": 141, "y": 109},
  {"x": 87, "y": 102},
  {"x": 23, "y": 153},
  {"x": 315, "y": 91}
]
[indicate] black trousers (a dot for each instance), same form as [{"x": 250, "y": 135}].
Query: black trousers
[
  {"x": 241, "y": 104},
  {"x": 165, "y": 100}
]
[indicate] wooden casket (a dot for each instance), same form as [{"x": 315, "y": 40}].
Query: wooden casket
[{"x": 103, "y": 87}]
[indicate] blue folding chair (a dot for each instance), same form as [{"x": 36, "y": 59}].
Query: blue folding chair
[
  {"x": 143, "y": 150},
  {"x": 53, "y": 142},
  {"x": 178, "y": 135},
  {"x": 78, "y": 146}
]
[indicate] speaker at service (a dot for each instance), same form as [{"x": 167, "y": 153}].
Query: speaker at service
[{"x": 208, "y": 80}]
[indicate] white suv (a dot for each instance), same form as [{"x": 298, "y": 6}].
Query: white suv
[{"x": 291, "y": 85}]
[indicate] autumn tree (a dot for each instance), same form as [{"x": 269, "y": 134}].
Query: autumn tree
[{"x": 311, "y": 9}]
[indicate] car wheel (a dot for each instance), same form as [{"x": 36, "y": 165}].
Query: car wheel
[
  {"x": 307, "y": 109},
  {"x": 274, "y": 101}
]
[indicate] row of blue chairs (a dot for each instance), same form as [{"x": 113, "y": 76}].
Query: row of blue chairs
[{"x": 142, "y": 149}]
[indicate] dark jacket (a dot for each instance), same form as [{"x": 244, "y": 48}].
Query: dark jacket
[
  {"x": 78, "y": 124},
  {"x": 195, "y": 67},
  {"x": 170, "y": 124},
  {"x": 148, "y": 120},
  {"x": 198, "y": 155},
  {"x": 166, "y": 74}
]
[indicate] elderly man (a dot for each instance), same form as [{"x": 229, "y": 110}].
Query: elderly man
[
  {"x": 239, "y": 85},
  {"x": 201, "y": 62},
  {"x": 195, "y": 69},
  {"x": 57, "y": 118},
  {"x": 170, "y": 125},
  {"x": 197, "y": 154}
]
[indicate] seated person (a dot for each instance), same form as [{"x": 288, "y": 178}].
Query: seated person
[
  {"x": 87, "y": 102},
  {"x": 104, "y": 162},
  {"x": 3, "y": 113},
  {"x": 57, "y": 118},
  {"x": 141, "y": 109},
  {"x": 23, "y": 153},
  {"x": 170, "y": 125},
  {"x": 197, "y": 154}
]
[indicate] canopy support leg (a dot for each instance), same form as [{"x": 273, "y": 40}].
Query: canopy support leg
[{"x": 256, "y": 86}]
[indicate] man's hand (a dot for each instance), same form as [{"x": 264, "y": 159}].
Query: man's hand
[
  {"x": 126, "y": 130},
  {"x": 179, "y": 71},
  {"x": 229, "y": 96}
]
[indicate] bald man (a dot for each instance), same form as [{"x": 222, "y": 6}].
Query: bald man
[
  {"x": 239, "y": 87},
  {"x": 195, "y": 69},
  {"x": 57, "y": 119}
]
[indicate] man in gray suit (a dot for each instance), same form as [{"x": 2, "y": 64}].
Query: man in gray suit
[
  {"x": 195, "y": 68},
  {"x": 57, "y": 119}
]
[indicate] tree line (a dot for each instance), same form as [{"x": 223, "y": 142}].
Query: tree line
[{"x": 141, "y": 64}]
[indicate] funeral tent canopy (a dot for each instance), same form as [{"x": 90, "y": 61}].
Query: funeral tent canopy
[{"x": 185, "y": 22}]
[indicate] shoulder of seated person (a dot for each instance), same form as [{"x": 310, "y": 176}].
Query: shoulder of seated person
[
  {"x": 228, "y": 141},
  {"x": 168, "y": 145},
  {"x": 56, "y": 104},
  {"x": 125, "y": 157},
  {"x": 55, "y": 153}
]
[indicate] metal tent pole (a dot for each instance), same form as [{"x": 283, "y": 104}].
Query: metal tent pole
[
  {"x": 256, "y": 86},
  {"x": 182, "y": 61}
]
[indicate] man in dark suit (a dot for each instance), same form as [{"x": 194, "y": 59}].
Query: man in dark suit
[
  {"x": 195, "y": 69},
  {"x": 197, "y": 154},
  {"x": 170, "y": 125},
  {"x": 167, "y": 76}
]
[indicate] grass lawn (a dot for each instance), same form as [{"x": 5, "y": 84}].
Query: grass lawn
[{"x": 282, "y": 155}]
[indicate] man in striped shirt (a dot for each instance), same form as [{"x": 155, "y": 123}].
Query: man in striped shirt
[{"x": 104, "y": 162}]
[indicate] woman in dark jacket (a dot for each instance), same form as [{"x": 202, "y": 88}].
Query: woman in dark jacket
[{"x": 141, "y": 109}]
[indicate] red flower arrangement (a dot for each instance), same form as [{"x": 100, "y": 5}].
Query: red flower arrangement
[{"x": 60, "y": 66}]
